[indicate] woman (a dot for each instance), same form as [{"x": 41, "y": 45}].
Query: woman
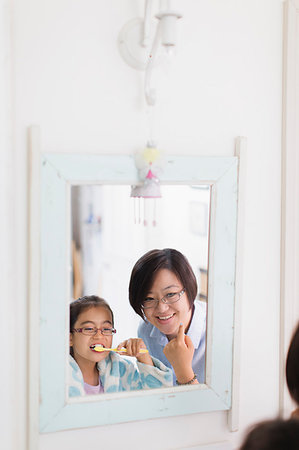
[
  {"x": 162, "y": 291},
  {"x": 276, "y": 434},
  {"x": 292, "y": 370}
]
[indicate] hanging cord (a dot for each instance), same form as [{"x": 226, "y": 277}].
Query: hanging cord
[
  {"x": 145, "y": 212},
  {"x": 150, "y": 94},
  {"x": 150, "y": 110},
  {"x": 139, "y": 207},
  {"x": 135, "y": 219},
  {"x": 154, "y": 213}
]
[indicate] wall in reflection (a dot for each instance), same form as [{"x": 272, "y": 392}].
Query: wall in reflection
[{"x": 111, "y": 230}]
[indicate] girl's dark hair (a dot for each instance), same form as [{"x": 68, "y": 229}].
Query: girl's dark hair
[
  {"x": 146, "y": 268},
  {"x": 274, "y": 434},
  {"x": 86, "y": 302},
  {"x": 292, "y": 367},
  {"x": 82, "y": 304}
]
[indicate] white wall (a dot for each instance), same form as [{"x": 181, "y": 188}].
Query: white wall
[
  {"x": 8, "y": 385},
  {"x": 225, "y": 81}
]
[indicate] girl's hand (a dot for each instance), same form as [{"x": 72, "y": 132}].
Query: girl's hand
[
  {"x": 133, "y": 347},
  {"x": 179, "y": 352}
]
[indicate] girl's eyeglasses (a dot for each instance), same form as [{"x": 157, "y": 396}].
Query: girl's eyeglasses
[{"x": 92, "y": 331}]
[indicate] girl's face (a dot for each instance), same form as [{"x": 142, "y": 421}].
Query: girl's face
[
  {"x": 167, "y": 317},
  {"x": 95, "y": 316}
]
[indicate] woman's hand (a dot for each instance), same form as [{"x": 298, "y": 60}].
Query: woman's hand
[
  {"x": 133, "y": 347},
  {"x": 179, "y": 352}
]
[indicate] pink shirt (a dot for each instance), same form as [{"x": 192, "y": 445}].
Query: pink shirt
[{"x": 92, "y": 390}]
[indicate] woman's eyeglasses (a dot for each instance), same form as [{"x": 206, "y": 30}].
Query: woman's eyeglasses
[{"x": 168, "y": 299}]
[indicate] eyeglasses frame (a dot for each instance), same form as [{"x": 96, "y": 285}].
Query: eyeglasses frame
[
  {"x": 80, "y": 330},
  {"x": 164, "y": 300}
]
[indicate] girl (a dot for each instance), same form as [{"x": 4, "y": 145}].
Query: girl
[
  {"x": 92, "y": 372},
  {"x": 162, "y": 291}
]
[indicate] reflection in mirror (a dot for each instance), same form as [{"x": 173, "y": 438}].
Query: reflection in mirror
[
  {"x": 53, "y": 288},
  {"x": 108, "y": 239},
  {"x": 94, "y": 368}
]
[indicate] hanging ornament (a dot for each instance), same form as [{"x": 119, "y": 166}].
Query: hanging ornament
[{"x": 149, "y": 163}]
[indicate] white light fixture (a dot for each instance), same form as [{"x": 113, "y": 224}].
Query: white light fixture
[{"x": 140, "y": 39}]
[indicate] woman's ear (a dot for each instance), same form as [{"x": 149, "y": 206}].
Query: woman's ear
[{"x": 71, "y": 339}]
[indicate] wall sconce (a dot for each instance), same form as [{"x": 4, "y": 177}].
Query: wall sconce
[{"x": 139, "y": 43}]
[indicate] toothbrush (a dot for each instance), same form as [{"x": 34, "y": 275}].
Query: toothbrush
[{"x": 97, "y": 348}]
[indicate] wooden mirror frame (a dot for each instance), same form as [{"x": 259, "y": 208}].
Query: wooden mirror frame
[{"x": 52, "y": 175}]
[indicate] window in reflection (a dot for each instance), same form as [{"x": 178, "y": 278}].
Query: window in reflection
[{"x": 107, "y": 240}]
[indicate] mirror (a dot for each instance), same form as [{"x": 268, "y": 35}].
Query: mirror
[
  {"x": 52, "y": 276},
  {"x": 108, "y": 237}
]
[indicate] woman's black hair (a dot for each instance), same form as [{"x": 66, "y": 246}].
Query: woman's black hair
[
  {"x": 277, "y": 434},
  {"x": 292, "y": 366},
  {"x": 84, "y": 303},
  {"x": 146, "y": 268}
]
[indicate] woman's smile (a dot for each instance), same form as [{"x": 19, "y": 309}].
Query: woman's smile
[{"x": 164, "y": 318}]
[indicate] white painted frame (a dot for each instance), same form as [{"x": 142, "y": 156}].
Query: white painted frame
[
  {"x": 289, "y": 292},
  {"x": 50, "y": 410}
]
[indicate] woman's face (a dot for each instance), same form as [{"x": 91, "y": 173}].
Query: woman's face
[
  {"x": 167, "y": 317},
  {"x": 98, "y": 317}
]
